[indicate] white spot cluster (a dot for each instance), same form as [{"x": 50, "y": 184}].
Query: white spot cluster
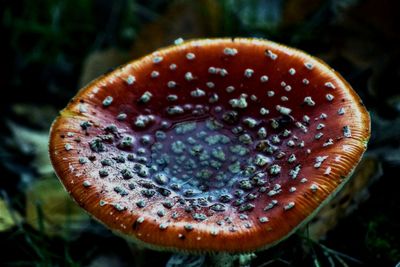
[
  {"x": 264, "y": 111},
  {"x": 197, "y": 93},
  {"x": 143, "y": 121},
  {"x": 275, "y": 169},
  {"x": 108, "y": 101},
  {"x": 171, "y": 84},
  {"x": 230, "y": 89},
  {"x": 130, "y": 80},
  {"x": 154, "y": 74},
  {"x": 145, "y": 97},
  {"x": 173, "y": 110},
  {"x": 271, "y": 55},
  {"x": 289, "y": 205},
  {"x": 248, "y": 73},
  {"x": 272, "y": 204},
  {"x": 283, "y": 110},
  {"x": 220, "y": 71},
  {"x": 330, "y": 85},
  {"x": 329, "y": 97},
  {"x": 230, "y": 51},
  {"x": 157, "y": 59},
  {"x": 309, "y": 65},
  {"x": 308, "y": 100},
  {"x": 319, "y": 160},
  {"x": 178, "y": 41},
  {"x": 201, "y": 156},
  {"x": 270, "y": 93},
  {"x": 190, "y": 56},
  {"x": 264, "y": 79},
  {"x": 346, "y": 131},
  {"x": 189, "y": 76},
  {"x": 238, "y": 102}
]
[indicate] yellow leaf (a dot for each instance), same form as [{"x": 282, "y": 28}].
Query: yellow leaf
[
  {"x": 50, "y": 209},
  {"x": 6, "y": 218}
]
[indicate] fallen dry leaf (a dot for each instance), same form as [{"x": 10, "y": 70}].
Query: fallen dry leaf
[
  {"x": 7, "y": 217},
  {"x": 48, "y": 205},
  {"x": 347, "y": 200}
]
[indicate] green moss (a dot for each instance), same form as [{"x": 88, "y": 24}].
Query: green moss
[{"x": 380, "y": 241}]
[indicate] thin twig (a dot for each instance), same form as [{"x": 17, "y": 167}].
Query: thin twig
[
  {"x": 341, "y": 254},
  {"x": 273, "y": 261},
  {"x": 339, "y": 259}
]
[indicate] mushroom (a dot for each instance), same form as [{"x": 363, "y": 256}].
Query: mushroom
[{"x": 214, "y": 145}]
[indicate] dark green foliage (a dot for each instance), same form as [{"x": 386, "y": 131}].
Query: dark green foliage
[{"x": 43, "y": 47}]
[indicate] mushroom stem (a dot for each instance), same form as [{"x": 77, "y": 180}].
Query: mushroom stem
[
  {"x": 228, "y": 260},
  {"x": 213, "y": 260}
]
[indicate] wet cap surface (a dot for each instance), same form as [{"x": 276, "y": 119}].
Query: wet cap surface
[{"x": 210, "y": 145}]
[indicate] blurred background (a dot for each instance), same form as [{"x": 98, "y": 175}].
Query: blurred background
[{"x": 51, "y": 48}]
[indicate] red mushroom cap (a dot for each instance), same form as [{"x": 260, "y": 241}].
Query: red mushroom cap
[{"x": 211, "y": 145}]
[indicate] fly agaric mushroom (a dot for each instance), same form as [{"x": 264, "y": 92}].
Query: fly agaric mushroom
[{"x": 216, "y": 145}]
